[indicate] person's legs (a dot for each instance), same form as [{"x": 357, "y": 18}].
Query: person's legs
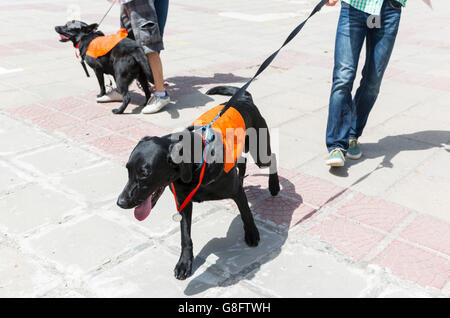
[
  {"x": 162, "y": 9},
  {"x": 156, "y": 65},
  {"x": 379, "y": 44},
  {"x": 351, "y": 31}
]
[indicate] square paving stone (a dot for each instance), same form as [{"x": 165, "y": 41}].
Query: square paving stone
[
  {"x": 31, "y": 207},
  {"x": 97, "y": 183},
  {"x": 219, "y": 239},
  {"x": 150, "y": 274},
  {"x": 18, "y": 137},
  {"x": 86, "y": 244},
  {"x": 304, "y": 272},
  {"x": 61, "y": 158},
  {"x": 20, "y": 276}
]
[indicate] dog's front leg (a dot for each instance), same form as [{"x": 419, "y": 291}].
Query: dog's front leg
[
  {"x": 101, "y": 82},
  {"x": 184, "y": 266}
]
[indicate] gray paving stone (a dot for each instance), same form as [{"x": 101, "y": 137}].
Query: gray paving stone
[
  {"x": 159, "y": 222},
  {"x": 84, "y": 245},
  {"x": 21, "y": 276},
  {"x": 18, "y": 137},
  {"x": 432, "y": 198},
  {"x": 61, "y": 158},
  {"x": 304, "y": 272},
  {"x": 8, "y": 178},
  {"x": 98, "y": 183},
  {"x": 219, "y": 239},
  {"x": 150, "y": 274},
  {"x": 33, "y": 206}
]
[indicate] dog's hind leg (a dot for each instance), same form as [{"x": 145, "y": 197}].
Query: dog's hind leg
[
  {"x": 122, "y": 86},
  {"x": 146, "y": 88},
  {"x": 242, "y": 166},
  {"x": 183, "y": 269},
  {"x": 101, "y": 82},
  {"x": 251, "y": 231},
  {"x": 262, "y": 154}
]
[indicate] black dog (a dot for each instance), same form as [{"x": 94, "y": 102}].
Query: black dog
[
  {"x": 125, "y": 62},
  {"x": 152, "y": 167}
]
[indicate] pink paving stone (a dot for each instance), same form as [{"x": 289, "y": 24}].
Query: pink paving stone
[
  {"x": 412, "y": 78},
  {"x": 392, "y": 71},
  {"x": 27, "y": 111},
  {"x": 65, "y": 103},
  {"x": 26, "y": 45},
  {"x": 440, "y": 83},
  {"x": 283, "y": 211},
  {"x": 374, "y": 212},
  {"x": 414, "y": 264},
  {"x": 314, "y": 191},
  {"x": 83, "y": 131},
  {"x": 255, "y": 193},
  {"x": 260, "y": 177},
  {"x": 89, "y": 96},
  {"x": 53, "y": 121},
  {"x": 87, "y": 112},
  {"x": 116, "y": 122},
  {"x": 137, "y": 133},
  {"x": 350, "y": 239},
  {"x": 113, "y": 144},
  {"x": 429, "y": 232},
  {"x": 122, "y": 158}
]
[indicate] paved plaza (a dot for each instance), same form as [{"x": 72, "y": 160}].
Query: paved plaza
[{"x": 378, "y": 227}]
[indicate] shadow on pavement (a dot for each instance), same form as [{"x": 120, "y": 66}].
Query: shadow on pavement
[
  {"x": 390, "y": 146},
  {"x": 230, "y": 251},
  {"x": 185, "y": 91}
]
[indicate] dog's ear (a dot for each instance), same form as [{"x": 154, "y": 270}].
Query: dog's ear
[
  {"x": 180, "y": 160},
  {"x": 90, "y": 28}
]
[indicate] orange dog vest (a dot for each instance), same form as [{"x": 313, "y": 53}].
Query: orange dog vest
[
  {"x": 231, "y": 127},
  {"x": 103, "y": 44}
]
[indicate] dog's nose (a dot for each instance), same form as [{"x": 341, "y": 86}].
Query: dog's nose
[{"x": 122, "y": 202}]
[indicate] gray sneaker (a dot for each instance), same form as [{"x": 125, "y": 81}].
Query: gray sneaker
[
  {"x": 111, "y": 96},
  {"x": 155, "y": 104}
]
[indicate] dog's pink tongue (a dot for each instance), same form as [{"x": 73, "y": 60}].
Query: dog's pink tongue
[{"x": 143, "y": 210}]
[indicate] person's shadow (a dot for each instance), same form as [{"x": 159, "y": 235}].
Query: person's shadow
[
  {"x": 390, "y": 146},
  {"x": 231, "y": 250},
  {"x": 186, "y": 91}
]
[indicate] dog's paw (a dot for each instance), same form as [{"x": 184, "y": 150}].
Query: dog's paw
[
  {"x": 183, "y": 269},
  {"x": 252, "y": 237},
  {"x": 274, "y": 185},
  {"x": 117, "y": 111}
]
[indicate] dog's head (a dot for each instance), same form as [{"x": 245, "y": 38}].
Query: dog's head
[
  {"x": 151, "y": 167},
  {"x": 74, "y": 31}
]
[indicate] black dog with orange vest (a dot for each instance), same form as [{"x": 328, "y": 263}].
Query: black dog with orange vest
[
  {"x": 115, "y": 54},
  {"x": 195, "y": 172}
]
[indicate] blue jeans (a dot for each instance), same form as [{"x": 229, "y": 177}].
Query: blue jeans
[
  {"x": 162, "y": 9},
  {"x": 347, "y": 117}
]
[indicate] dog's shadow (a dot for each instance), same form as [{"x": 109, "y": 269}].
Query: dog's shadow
[
  {"x": 233, "y": 255},
  {"x": 186, "y": 92}
]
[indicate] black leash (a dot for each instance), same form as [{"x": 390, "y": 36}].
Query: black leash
[
  {"x": 83, "y": 64},
  {"x": 112, "y": 5},
  {"x": 269, "y": 60}
]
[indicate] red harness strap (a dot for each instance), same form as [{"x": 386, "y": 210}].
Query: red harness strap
[{"x": 189, "y": 197}]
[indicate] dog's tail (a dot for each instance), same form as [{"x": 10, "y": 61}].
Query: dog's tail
[
  {"x": 227, "y": 91},
  {"x": 140, "y": 57}
]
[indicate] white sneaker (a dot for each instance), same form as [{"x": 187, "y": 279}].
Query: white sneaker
[
  {"x": 155, "y": 104},
  {"x": 111, "y": 96}
]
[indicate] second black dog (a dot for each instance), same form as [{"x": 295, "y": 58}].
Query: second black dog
[{"x": 125, "y": 62}]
